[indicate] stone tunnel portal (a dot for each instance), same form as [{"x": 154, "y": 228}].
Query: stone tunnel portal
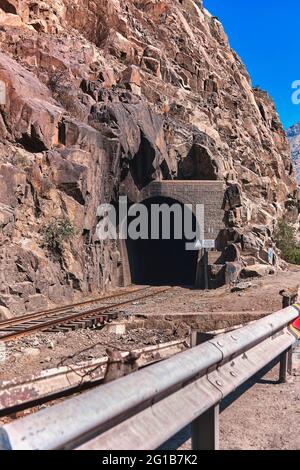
[{"x": 167, "y": 261}]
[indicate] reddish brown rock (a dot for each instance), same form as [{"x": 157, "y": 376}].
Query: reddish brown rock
[
  {"x": 131, "y": 77},
  {"x": 108, "y": 94},
  {"x": 293, "y": 134}
]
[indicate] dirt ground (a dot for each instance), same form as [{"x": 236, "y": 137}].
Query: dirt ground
[
  {"x": 266, "y": 417},
  {"x": 262, "y": 297}
]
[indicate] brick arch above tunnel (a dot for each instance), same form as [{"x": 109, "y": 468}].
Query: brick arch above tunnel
[{"x": 208, "y": 193}]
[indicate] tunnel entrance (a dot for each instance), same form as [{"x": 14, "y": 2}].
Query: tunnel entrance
[{"x": 162, "y": 261}]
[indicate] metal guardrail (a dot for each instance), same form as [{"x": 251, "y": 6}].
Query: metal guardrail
[{"x": 145, "y": 409}]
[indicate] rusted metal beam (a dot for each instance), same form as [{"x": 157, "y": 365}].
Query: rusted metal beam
[{"x": 22, "y": 393}]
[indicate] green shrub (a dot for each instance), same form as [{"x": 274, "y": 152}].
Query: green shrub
[
  {"x": 285, "y": 237},
  {"x": 57, "y": 232},
  {"x": 296, "y": 256}
]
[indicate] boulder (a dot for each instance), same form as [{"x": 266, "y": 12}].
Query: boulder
[
  {"x": 241, "y": 286},
  {"x": 233, "y": 270},
  {"x": 257, "y": 270}
]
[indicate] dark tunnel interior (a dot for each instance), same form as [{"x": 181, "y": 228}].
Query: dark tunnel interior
[{"x": 162, "y": 262}]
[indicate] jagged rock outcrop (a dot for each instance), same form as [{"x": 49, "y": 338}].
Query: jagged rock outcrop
[
  {"x": 293, "y": 134},
  {"x": 102, "y": 92}
]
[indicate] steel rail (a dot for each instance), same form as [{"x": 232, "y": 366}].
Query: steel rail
[
  {"x": 173, "y": 382},
  {"x": 75, "y": 316},
  {"x": 57, "y": 310}
]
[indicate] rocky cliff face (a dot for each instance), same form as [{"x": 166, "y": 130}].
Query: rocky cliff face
[
  {"x": 104, "y": 92},
  {"x": 293, "y": 134}
]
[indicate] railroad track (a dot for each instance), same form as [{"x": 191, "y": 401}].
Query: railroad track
[{"x": 88, "y": 314}]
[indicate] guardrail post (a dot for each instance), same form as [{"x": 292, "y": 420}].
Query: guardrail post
[
  {"x": 285, "y": 365},
  {"x": 206, "y": 428},
  {"x": 290, "y": 360},
  {"x": 197, "y": 337},
  {"x": 289, "y": 296}
]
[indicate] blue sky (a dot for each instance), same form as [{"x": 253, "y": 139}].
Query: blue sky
[{"x": 266, "y": 35}]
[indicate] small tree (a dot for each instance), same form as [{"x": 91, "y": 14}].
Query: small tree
[
  {"x": 297, "y": 257},
  {"x": 57, "y": 232},
  {"x": 285, "y": 237}
]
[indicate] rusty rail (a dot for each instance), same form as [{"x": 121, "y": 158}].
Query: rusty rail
[
  {"x": 15, "y": 331},
  {"x": 57, "y": 310},
  {"x": 145, "y": 409}
]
